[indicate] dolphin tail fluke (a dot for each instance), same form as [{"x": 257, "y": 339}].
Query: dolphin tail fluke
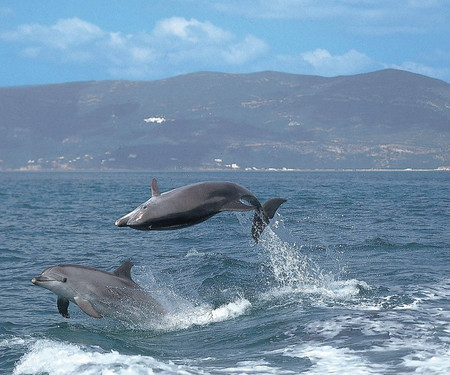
[
  {"x": 271, "y": 206},
  {"x": 263, "y": 214}
]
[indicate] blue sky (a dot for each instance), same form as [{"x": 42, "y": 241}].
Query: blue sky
[{"x": 52, "y": 41}]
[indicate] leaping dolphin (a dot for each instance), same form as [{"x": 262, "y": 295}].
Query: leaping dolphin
[
  {"x": 98, "y": 293},
  {"x": 192, "y": 204}
]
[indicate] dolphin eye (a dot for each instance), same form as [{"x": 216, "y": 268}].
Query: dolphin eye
[{"x": 64, "y": 280}]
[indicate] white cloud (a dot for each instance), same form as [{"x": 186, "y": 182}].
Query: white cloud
[
  {"x": 293, "y": 9},
  {"x": 368, "y": 16},
  {"x": 177, "y": 45},
  {"x": 316, "y": 57},
  {"x": 142, "y": 55},
  {"x": 174, "y": 44},
  {"x": 421, "y": 69},
  {"x": 321, "y": 62},
  {"x": 241, "y": 52},
  {"x": 192, "y": 31},
  {"x": 64, "y": 34}
]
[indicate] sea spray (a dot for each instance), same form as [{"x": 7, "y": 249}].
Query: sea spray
[
  {"x": 204, "y": 315},
  {"x": 295, "y": 273},
  {"x": 289, "y": 266},
  {"x": 182, "y": 312}
]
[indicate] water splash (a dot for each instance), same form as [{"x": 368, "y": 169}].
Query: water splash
[
  {"x": 289, "y": 266},
  {"x": 297, "y": 273},
  {"x": 181, "y": 312},
  {"x": 204, "y": 315}
]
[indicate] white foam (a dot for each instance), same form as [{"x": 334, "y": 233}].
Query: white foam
[
  {"x": 57, "y": 358},
  {"x": 429, "y": 361},
  {"x": 204, "y": 315},
  {"x": 156, "y": 120},
  {"x": 182, "y": 313},
  {"x": 326, "y": 359},
  {"x": 12, "y": 341},
  {"x": 331, "y": 292},
  {"x": 404, "y": 334},
  {"x": 362, "y": 322},
  {"x": 339, "y": 290},
  {"x": 253, "y": 367},
  {"x": 195, "y": 253}
]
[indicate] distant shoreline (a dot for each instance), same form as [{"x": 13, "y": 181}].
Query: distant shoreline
[{"x": 247, "y": 170}]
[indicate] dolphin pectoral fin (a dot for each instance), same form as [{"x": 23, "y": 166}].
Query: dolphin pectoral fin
[
  {"x": 87, "y": 307},
  {"x": 124, "y": 271},
  {"x": 236, "y": 206},
  {"x": 155, "y": 188},
  {"x": 63, "y": 306}
]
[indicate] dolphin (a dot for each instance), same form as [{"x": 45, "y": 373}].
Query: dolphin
[
  {"x": 99, "y": 293},
  {"x": 192, "y": 204}
]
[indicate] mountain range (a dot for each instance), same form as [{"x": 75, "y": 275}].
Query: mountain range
[{"x": 207, "y": 121}]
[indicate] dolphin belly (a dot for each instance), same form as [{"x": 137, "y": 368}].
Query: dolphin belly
[{"x": 172, "y": 222}]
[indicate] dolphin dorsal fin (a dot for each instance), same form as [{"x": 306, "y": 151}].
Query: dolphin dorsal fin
[
  {"x": 124, "y": 271},
  {"x": 155, "y": 188}
]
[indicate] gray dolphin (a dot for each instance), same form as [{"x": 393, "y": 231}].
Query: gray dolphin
[
  {"x": 192, "y": 204},
  {"x": 98, "y": 293}
]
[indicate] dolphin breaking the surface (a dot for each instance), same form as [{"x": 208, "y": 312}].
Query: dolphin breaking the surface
[
  {"x": 191, "y": 204},
  {"x": 99, "y": 293}
]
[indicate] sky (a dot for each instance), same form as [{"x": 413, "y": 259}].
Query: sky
[{"x": 54, "y": 41}]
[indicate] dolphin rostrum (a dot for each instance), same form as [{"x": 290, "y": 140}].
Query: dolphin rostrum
[
  {"x": 98, "y": 293},
  {"x": 191, "y": 204}
]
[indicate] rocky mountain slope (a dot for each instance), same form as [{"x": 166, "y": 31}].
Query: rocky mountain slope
[{"x": 384, "y": 119}]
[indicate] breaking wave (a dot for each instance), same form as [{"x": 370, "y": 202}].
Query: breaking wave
[{"x": 56, "y": 358}]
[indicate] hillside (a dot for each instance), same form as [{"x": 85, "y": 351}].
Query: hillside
[{"x": 384, "y": 119}]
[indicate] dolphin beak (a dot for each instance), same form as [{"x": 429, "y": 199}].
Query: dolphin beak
[
  {"x": 39, "y": 279},
  {"x": 130, "y": 220},
  {"x": 122, "y": 222}
]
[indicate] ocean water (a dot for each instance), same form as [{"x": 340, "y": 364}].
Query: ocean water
[{"x": 351, "y": 277}]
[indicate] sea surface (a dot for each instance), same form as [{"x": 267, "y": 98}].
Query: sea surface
[{"x": 351, "y": 277}]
